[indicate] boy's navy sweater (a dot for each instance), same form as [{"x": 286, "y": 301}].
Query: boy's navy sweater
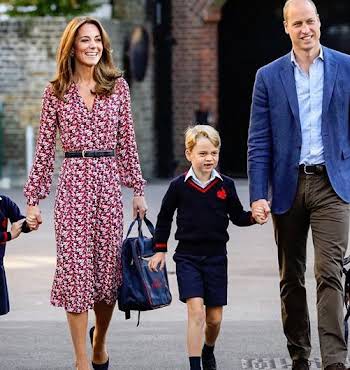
[{"x": 202, "y": 216}]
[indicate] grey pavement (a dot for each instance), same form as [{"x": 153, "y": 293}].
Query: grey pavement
[{"x": 34, "y": 335}]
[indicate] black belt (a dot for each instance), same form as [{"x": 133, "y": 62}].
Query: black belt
[
  {"x": 312, "y": 169},
  {"x": 90, "y": 154}
]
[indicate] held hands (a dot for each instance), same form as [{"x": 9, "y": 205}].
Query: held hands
[
  {"x": 157, "y": 259},
  {"x": 16, "y": 229},
  {"x": 261, "y": 211},
  {"x": 33, "y": 217},
  {"x": 139, "y": 206}
]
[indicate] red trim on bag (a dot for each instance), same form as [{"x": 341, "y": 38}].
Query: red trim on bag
[
  {"x": 156, "y": 284},
  {"x": 150, "y": 301},
  {"x": 202, "y": 190}
]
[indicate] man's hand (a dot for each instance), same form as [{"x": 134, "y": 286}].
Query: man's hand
[
  {"x": 261, "y": 211},
  {"x": 16, "y": 229},
  {"x": 139, "y": 206},
  {"x": 33, "y": 217}
]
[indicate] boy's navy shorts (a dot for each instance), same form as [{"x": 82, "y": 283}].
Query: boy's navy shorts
[{"x": 202, "y": 276}]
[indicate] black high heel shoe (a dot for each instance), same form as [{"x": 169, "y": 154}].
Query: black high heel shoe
[{"x": 97, "y": 366}]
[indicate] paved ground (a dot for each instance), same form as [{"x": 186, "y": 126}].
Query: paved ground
[{"x": 34, "y": 335}]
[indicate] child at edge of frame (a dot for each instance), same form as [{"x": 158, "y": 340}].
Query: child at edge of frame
[
  {"x": 205, "y": 201},
  {"x": 8, "y": 211}
]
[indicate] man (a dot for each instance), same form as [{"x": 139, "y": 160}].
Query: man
[{"x": 299, "y": 157}]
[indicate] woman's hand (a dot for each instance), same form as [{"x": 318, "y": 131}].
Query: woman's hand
[
  {"x": 139, "y": 206},
  {"x": 157, "y": 259},
  {"x": 33, "y": 217}
]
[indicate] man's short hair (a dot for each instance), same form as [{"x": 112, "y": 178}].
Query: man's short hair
[
  {"x": 193, "y": 133},
  {"x": 288, "y": 2}
]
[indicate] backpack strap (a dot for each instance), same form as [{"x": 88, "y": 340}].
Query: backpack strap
[
  {"x": 149, "y": 225},
  {"x": 127, "y": 316},
  {"x": 130, "y": 227},
  {"x": 138, "y": 319}
]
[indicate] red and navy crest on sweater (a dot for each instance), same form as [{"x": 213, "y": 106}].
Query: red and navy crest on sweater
[
  {"x": 203, "y": 215},
  {"x": 221, "y": 194}
]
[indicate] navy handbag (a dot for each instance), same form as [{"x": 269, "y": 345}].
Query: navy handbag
[{"x": 141, "y": 289}]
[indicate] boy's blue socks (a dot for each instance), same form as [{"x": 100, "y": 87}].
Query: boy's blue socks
[{"x": 195, "y": 363}]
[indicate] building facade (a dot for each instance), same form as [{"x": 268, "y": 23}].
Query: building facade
[{"x": 199, "y": 65}]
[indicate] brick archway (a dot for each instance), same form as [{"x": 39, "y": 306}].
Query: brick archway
[{"x": 195, "y": 67}]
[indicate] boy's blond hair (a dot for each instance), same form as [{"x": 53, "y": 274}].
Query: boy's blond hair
[{"x": 193, "y": 133}]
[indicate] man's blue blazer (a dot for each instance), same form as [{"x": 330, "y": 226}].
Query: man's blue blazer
[{"x": 274, "y": 140}]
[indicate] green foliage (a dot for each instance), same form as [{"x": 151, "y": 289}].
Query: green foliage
[{"x": 50, "y": 7}]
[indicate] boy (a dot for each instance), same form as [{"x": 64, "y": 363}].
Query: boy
[
  {"x": 8, "y": 211},
  {"x": 205, "y": 201}
]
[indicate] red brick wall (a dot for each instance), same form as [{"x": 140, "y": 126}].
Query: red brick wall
[{"x": 195, "y": 69}]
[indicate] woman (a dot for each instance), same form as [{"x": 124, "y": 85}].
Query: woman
[{"x": 89, "y": 104}]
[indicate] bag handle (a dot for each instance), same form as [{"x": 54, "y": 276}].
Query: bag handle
[
  {"x": 139, "y": 221},
  {"x": 149, "y": 225}
]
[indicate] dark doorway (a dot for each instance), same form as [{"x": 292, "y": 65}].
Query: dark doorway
[
  {"x": 163, "y": 43},
  {"x": 248, "y": 40}
]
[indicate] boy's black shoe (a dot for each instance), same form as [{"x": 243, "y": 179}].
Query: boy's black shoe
[
  {"x": 208, "y": 361},
  {"x": 301, "y": 364}
]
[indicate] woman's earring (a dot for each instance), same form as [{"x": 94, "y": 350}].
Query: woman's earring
[{"x": 72, "y": 53}]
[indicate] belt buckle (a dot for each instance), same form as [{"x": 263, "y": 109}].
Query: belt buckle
[
  {"x": 83, "y": 153},
  {"x": 306, "y": 172}
]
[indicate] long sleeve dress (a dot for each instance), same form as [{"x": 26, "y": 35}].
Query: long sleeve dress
[{"x": 88, "y": 205}]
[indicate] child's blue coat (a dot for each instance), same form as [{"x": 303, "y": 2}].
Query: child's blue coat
[{"x": 8, "y": 211}]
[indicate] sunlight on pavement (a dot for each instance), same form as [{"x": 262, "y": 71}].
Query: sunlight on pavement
[{"x": 25, "y": 262}]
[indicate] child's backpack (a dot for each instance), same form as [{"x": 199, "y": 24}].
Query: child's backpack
[{"x": 141, "y": 289}]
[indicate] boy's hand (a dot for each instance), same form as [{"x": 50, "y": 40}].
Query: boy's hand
[
  {"x": 16, "y": 229},
  {"x": 157, "y": 259}
]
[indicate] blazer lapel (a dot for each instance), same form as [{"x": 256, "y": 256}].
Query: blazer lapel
[
  {"x": 330, "y": 73},
  {"x": 288, "y": 81}
]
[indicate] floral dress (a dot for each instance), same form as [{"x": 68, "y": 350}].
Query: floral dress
[{"x": 88, "y": 205}]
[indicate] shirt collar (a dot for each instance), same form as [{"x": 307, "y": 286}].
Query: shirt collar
[
  {"x": 294, "y": 61},
  {"x": 213, "y": 175}
]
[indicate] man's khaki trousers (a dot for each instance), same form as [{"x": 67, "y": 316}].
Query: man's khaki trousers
[{"x": 316, "y": 205}]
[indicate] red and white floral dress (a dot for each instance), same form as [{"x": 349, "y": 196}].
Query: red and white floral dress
[{"x": 88, "y": 205}]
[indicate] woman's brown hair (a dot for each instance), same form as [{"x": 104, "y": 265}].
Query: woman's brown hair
[{"x": 105, "y": 72}]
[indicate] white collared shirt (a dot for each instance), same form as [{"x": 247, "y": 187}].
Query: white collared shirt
[{"x": 214, "y": 174}]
